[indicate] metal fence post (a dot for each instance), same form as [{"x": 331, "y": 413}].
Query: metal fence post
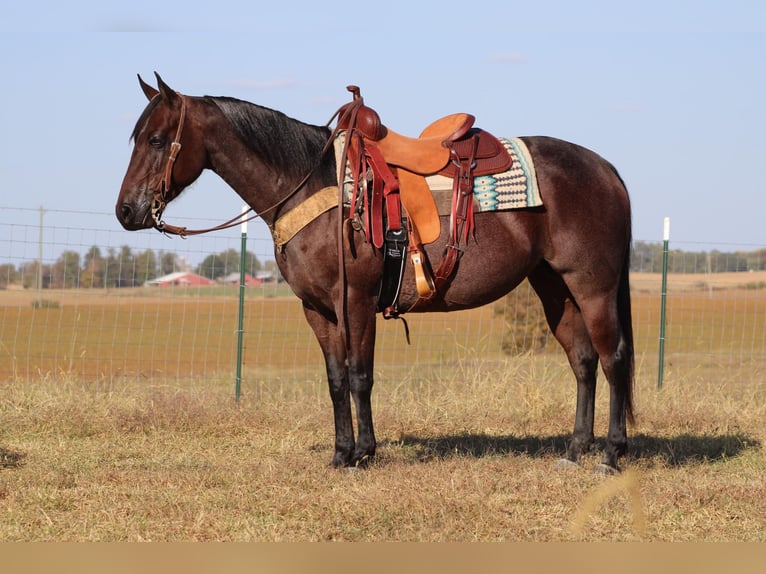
[
  {"x": 665, "y": 240},
  {"x": 241, "y": 313}
]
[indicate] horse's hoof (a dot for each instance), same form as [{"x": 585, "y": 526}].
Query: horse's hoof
[
  {"x": 566, "y": 464},
  {"x": 606, "y": 470},
  {"x": 362, "y": 462},
  {"x": 340, "y": 461}
]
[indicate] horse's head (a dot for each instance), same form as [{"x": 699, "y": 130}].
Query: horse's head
[{"x": 168, "y": 155}]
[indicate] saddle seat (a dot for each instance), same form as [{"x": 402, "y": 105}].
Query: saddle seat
[
  {"x": 424, "y": 155},
  {"x": 429, "y": 153}
]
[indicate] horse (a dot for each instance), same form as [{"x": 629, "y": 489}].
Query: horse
[{"x": 575, "y": 251}]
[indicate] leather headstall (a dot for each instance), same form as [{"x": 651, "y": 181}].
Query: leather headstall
[{"x": 160, "y": 196}]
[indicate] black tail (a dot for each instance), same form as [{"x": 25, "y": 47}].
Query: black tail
[{"x": 626, "y": 322}]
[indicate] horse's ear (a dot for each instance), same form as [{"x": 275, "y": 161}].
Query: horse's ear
[
  {"x": 166, "y": 92},
  {"x": 148, "y": 90}
]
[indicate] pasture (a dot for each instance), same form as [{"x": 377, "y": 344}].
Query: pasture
[{"x": 121, "y": 449}]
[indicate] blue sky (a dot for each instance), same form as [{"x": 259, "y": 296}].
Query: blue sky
[{"x": 672, "y": 93}]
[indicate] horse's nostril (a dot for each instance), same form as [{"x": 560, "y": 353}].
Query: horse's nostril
[{"x": 126, "y": 212}]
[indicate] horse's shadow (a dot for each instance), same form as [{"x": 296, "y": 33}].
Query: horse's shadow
[{"x": 679, "y": 450}]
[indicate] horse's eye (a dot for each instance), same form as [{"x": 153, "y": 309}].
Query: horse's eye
[{"x": 156, "y": 141}]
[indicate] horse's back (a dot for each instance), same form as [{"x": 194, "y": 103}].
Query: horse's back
[
  {"x": 583, "y": 225},
  {"x": 586, "y": 201}
]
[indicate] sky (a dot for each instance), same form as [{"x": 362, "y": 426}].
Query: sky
[{"x": 671, "y": 92}]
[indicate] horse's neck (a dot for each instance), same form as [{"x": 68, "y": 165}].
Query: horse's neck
[{"x": 259, "y": 184}]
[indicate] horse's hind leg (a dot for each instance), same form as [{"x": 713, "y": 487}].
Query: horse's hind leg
[
  {"x": 615, "y": 356},
  {"x": 567, "y": 325},
  {"x": 606, "y": 314}
]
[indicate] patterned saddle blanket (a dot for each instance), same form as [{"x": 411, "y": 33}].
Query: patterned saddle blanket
[{"x": 514, "y": 189}]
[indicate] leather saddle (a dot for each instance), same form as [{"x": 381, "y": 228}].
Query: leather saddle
[
  {"x": 438, "y": 149},
  {"x": 450, "y": 146}
]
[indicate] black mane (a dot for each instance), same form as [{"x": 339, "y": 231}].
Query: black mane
[{"x": 288, "y": 144}]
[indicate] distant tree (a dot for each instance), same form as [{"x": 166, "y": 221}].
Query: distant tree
[
  {"x": 168, "y": 263},
  {"x": 127, "y": 266},
  {"x": 212, "y": 266},
  {"x": 646, "y": 257},
  {"x": 119, "y": 268},
  {"x": 145, "y": 265},
  {"x": 65, "y": 272},
  {"x": 8, "y": 275},
  {"x": 94, "y": 266},
  {"x": 221, "y": 264},
  {"x": 28, "y": 271},
  {"x": 757, "y": 260}
]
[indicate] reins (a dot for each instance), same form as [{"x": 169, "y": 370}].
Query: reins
[
  {"x": 346, "y": 115},
  {"x": 160, "y": 201}
]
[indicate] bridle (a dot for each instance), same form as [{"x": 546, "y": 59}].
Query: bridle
[
  {"x": 160, "y": 199},
  {"x": 159, "y": 202}
]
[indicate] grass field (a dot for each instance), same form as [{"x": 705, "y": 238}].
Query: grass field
[
  {"x": 460, "y": 459},
  {"x": 176, "y": 334},
  {"x": 468, "y": 437}
]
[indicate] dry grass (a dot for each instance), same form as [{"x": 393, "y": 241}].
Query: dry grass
[
  {"x": 698, "y": 281},
  {"x": 465, "y": 458}
]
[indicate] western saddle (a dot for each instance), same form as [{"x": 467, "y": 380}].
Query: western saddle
[{"x": 398, "y": 165}]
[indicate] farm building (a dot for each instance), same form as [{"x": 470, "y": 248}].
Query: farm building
[
  {"x": 179, "y": 278},
  {"x": 233, "y": 279}
]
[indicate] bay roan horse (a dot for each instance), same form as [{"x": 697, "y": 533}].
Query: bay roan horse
[{"x": 574, "y": 250}]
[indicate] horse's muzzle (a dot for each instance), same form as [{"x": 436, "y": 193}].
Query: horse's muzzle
[{"x": 132, "y": 217}]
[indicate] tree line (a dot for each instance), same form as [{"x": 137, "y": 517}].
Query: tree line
[
  {"x": 119, "y": 268},
  {"x": 124, "y": 268},
  {"x": 647, "y": 258}
]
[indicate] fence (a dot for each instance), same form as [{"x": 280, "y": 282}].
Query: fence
[{"x": 74, "y": 304}]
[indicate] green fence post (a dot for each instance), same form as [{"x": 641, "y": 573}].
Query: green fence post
[
  {"x": 665, "y": 240},
  {"x": 241, "y": 314}
]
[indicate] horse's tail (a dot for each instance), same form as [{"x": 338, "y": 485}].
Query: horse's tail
[
  {"x": 625, "y": 315},
  {"x": 626, "y": 322}
]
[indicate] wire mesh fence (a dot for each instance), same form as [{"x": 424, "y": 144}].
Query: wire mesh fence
[{"x": 93, "y": 302}]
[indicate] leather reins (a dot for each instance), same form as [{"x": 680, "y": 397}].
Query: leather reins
[
  {"x": 160, "y": 201},
  {"x": 346, "y": 115}
]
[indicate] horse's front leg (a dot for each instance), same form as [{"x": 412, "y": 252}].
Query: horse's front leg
[
  {"x": 361, "y": 356},
  {"x": 334, "y": 351}
]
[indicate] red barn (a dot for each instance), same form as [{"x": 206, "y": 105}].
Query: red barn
[{"x": 180, "y": 278}]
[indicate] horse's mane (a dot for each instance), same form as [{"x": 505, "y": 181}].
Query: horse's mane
[
  {"x": 288, "y": 144},
  {"x": 291, "y": 146}
]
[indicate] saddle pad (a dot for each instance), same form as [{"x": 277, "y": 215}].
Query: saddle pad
[{"x": 514, "y": 189}]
